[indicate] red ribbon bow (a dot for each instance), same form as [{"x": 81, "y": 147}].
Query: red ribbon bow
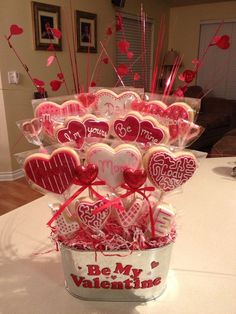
[{"x": 72, "y": 197}]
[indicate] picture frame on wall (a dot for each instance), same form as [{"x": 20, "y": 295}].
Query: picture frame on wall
[
  {"x": 46, "y": 16},
  {"x": 86, "y": 30}
]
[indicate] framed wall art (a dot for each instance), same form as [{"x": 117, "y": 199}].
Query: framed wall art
[
  {"x": 46, "y": 16},
  {"x": 86, "y": 30}
]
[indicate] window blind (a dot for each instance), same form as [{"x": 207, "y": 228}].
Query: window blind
[{"x": 133, "y": 34}]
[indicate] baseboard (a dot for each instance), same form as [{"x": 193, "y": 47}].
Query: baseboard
[{"x": 11, "y": 175}]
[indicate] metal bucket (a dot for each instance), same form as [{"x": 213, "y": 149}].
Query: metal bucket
[{"x": 116, "y": 276}]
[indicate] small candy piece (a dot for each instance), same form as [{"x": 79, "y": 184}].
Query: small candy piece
[
  {"x": 55, "y": 172},
  {"x": 167, "y": 170},
  {"x": 112, "y": 162},
  {"x": 85, "y": 215}
]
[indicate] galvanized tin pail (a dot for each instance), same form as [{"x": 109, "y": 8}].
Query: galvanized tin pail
[{"x": 116, "y": 276}]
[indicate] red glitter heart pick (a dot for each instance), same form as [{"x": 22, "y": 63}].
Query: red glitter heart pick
[
  {"x": 16, "y": 30},
  {"x": 134, "y": 178},
  {"x": 87, "y": 174}
]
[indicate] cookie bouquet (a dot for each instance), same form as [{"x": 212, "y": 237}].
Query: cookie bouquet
[
  {"x": 110, "y": 157},
  {"x": 109, "y": 160}
]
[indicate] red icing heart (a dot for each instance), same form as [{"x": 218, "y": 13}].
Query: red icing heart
[
  {"x": 149, "y": 134},
  {"x": 86, "y": 99},
  {"x": 154, "y": 264},
  {"x": 168, "y": 171},
  {"x": 127, "y": 129},
  {"x": 134, "y": 178},
  {"x": 73, "y": 132},
  {"x": 96, "y": 128},
  {"x": 16, "y": 30},
  {"x": 32, "y": 127},
  {"x": 87, "y": 174},
  {"x": 88, "y": 218},
  {"x": 174, "y": 113},
  {"x": 53, "y": 173},
  {"x": 46, "y": 111}
]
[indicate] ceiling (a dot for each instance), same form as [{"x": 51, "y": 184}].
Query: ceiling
[{"x": 177, "y": 3}]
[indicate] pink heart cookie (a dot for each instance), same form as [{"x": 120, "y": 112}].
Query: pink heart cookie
[
  {"x": 55, "y": 172},
  {"x": 173, "y": 114},
  {"x": 112, "y": 162},
  {"x": 109, "y": 103},
  {"x": 168, "y": 170},
  {"x": 48, "y": 110},
  {"x": 86, "y": 216}
]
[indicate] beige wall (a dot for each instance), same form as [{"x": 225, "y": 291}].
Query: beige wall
[
  {"x": 15, "y": 100},
  {"x": 184, "y": 26}
]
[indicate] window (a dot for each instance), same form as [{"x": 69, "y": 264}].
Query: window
[{"x": 133, "y": 34}]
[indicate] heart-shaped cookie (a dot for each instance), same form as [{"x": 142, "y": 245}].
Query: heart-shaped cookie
[
  {"x": 128, "y": 218},
  {"x": 168, "y": 170},
  {"x": 173, "y": 114},
  {"x": 87, "y": 99},
  {"x": 86, "y": 216},
  {"x": 109, "y": 103},
  {"x": 32, "y": 127},
  {"x": 144, "y": 130},
  {"x": 127, "y": 129},
  {"x": 48, "y": 110},
  {"x": 112, "y": 162},
  {"x": 95, "y": 127},
  {"x": 72, "y": 131},
  {"x": 55, "y": 172}
]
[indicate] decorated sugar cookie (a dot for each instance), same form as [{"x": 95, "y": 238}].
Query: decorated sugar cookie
[
  {"x": 84, "y": 212},
  {"x": 53, "y": 173},
  {"x": 130, "y": 216},
  {"x": 112, "y": 162},
  {"x": 167, "y": 170},
  {"x": 66, "y": 226},
  {"x": 77, "y": 129},
  {"x": 173, "y": 114},
  {"x": 164, "y": 218},
  {"x": 140, "y": 129},
  {"x": 154, "y": 107},
  {"x": 47, "y": 111},
  {"x": 73, "y": 130},
  {"x": 109, "y": 103}
]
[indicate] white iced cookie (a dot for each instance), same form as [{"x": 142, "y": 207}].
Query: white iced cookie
[
  {"x": 109, "y": 103},
  {"x": 112, "y": 162}
]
